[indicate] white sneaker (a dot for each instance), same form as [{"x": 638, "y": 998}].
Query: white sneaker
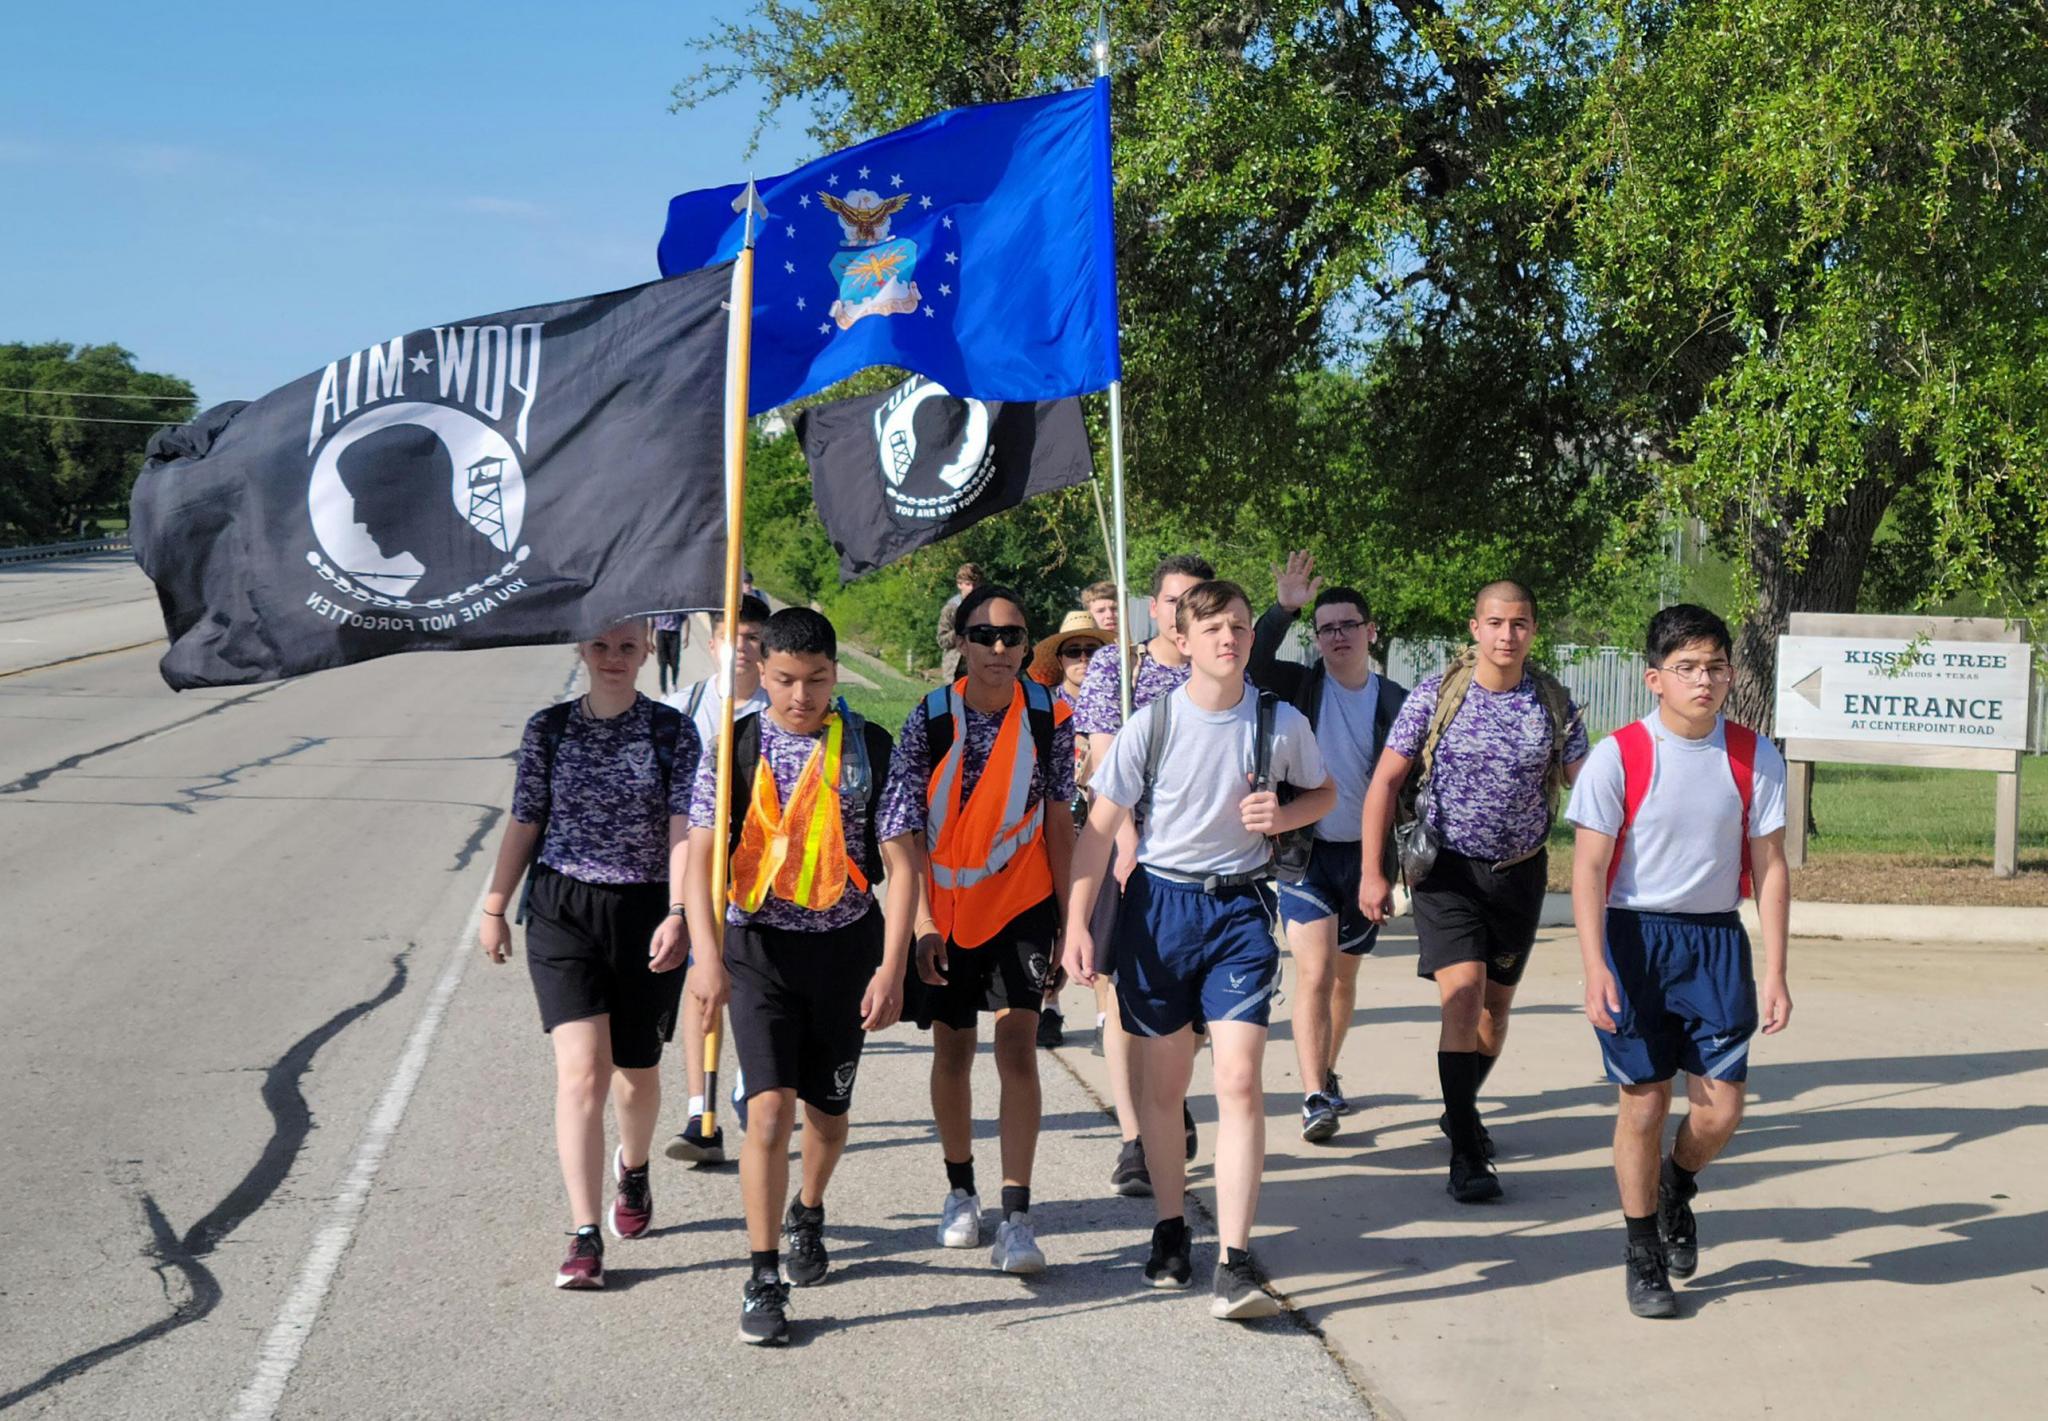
[
  {"x": 960, "y": 1220},
  {"x": 1016, "y": 1248}
]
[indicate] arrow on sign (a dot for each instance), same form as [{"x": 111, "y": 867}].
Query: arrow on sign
[{"x": 1809, "y": 687}]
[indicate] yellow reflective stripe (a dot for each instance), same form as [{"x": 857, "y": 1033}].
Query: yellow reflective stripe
[{"x": 825, "y": 802}]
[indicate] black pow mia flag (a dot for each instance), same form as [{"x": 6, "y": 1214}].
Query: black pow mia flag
[
  {"x": 534, "y": 476},
  {"x": 893, "y": 472}
]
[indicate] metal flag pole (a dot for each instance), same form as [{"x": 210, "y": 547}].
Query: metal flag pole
[
  {"x": 739, "y": 335},
  {"x": 1102, "y": 522},
  {"x": 1116, "y": 458}
]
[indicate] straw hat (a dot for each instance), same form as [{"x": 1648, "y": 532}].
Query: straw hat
[{"x": 1075, "y": 626}]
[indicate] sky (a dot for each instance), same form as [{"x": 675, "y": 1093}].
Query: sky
[{"x": 240, "y": 193}]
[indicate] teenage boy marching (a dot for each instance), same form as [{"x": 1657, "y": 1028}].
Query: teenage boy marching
[
  {"x": 1099, "y": 714},
  {"x": 1195, "y": 931},
  {"x": 1350, "y": 709},
  {"x": 1680, "y": 816},
  {"x": 801, "y": 955},
  {"x": 978, "y": 799},
  {"x": 1496, "y": 739}
]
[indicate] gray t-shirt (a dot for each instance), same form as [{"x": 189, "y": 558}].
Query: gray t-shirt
[
  {"x": 709, "y": 716},
  {"x": 1344, "y": 734},
  {"x": 1204, "y": 774},
  {"x": 1681, "y": 853}
]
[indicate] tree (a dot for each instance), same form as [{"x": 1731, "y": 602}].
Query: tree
[
  {"x": 63, "y": 459},
  {"x": 1811, "y": 232}
]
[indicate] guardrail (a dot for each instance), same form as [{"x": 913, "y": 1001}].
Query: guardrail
[{"x": 115, "y": 543}]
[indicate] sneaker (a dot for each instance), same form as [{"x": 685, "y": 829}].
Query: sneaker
[
  {"x": 1318, "y": 1120},
  {"x": 1675, "y": 1225},
  {"x": 764, "y": 1313},
  {"x": 1649, "y": 1284},
  {"x": 1016, "y": 1248},
  {"x": 1443, "y": 1123},
  {"x": 1130, "y": 1178},
  {"x": 1187, "y": 1118},
  {"x": 1333, "y": 1091},
  {"x": 1052, "y": 1030},
  {"x": 960, "y": 1220},
  {"x": 1472, "y": 1179},
  {"x": 633, "y": 1206},
  {"x": 1238, "y": 1296},
  {"x": 804, "y": 1260},
  {"x": 694, "y": 1146},
  {"x": 1168, "y": 1267},
  {"x": 584, "y": 1267},
  {"x": 739, "y": 1099},
  {"x": 1101, "y": 1026}
]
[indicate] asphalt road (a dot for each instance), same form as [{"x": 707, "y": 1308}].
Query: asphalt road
[{"x": 277, "y": 1140}]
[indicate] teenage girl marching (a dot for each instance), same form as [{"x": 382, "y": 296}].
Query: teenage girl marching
[{"x": 600, "y": 810}]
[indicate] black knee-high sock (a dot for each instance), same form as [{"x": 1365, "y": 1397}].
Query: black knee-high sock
[
  {"x": 1484, "y": 1069},
  {"x": 1458, "y": 1073}
]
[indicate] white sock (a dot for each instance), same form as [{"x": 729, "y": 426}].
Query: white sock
[
  {"x": 696, "y": 1107},
  {"x": 1101, "y": 1020}
]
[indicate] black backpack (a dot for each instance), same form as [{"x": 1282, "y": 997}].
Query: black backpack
[
  {"x": 938, "y": 723},
  {"x": 865, "y": 747},
  {"x": 666, "y": 732}
]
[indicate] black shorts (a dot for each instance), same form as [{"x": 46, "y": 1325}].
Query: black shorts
[
  {"x": 1006, "y": 973},
  {"x": 586, "y": 949},
  {"x": 796, "y": 1007},
  {"x": 1466, "y": 912}
]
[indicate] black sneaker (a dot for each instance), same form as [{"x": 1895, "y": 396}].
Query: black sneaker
[
  {"x": 1168, "y": 1267},
  {"x": 1318, "y": 1120},
  {"x": 1675, "y": 1225},
  {"x": 1333, "y": 1089},
  {"x": 692, "y": 1144},
  {"x": 1472, "y": 1179},
  {"x": 804, "y": 1260},
  {"x": 1649, "y": 1285},
  {"x": 764, "y": 1312},
  {"x": 1443, "y": 1123},
  {"x": 1187, "y": 1118},
  {"x": 1052, "y": 1030},
  {"x": 1130, "y": 1178},
  {"x": 1238, "y": 1296}
]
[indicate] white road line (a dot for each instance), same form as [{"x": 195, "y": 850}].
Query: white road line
[{"x": 286, "y": 1339}]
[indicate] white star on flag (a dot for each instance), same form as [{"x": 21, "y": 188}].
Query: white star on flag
[
  {"x": 789, "y": 267},
  {"x": 895, "y": 180},
  {"x": 930, "y": 312},
  {"x": 925, "y": 203},
  {"x": 832, "y": 181},
  {"x": 864, "y": 170},
  {"x": 799, "y": 303},
  {"x": 790, "y": 231},
  {"x": 824, "y": 328},
  {"x": 804, "y": 200},
  {"x": 945, "y": 290},
  {"x": 420, "y": 364},
  {"x": 946, "y": 222},
  {"x": 952, "y": 258}
]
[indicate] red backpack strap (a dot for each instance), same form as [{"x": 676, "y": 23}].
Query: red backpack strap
[
  {"x": 1638, "y": 765},
  {"x": 1741, "y": 742}
]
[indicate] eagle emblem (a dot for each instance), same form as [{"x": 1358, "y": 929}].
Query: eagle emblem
[
  {"x": 866, "y": 220},
  {"x": 872, "y": 268}
]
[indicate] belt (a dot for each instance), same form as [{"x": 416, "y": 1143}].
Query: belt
[{"x": 1210, "y": 883}]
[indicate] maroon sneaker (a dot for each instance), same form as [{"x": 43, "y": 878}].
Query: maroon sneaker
[
  {"x": 633, "y": 1206},
  {"x": 584, "y": 1267}
]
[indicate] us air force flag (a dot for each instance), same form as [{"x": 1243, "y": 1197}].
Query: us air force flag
[
  {"x": 975, "y": 248},
  {"x": 893, "y": 472},
  {"x": 533, "y": 476}
]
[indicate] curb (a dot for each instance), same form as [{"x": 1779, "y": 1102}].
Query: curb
[{"x": 1880, "y": 922}]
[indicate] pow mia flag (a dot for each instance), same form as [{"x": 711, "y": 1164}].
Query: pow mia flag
[
  {"x": 530, "y": 477},
  {"x": 893, "y": 472}
]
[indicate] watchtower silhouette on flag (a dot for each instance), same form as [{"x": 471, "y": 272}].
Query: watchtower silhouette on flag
[{"x": 487, "y": 499}]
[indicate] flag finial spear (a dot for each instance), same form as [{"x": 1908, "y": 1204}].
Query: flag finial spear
[{"x": 750, "y": 203}]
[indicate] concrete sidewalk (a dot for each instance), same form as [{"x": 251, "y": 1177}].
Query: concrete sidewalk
[{"x": 1873, "y": 1243}]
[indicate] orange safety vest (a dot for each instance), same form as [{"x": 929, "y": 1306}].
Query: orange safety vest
[
  {"x": 815, "y": 877},
  {"x": 986, "y": 863}
]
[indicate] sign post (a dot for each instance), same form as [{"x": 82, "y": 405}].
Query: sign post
[{"x": 1945, "y": 692}]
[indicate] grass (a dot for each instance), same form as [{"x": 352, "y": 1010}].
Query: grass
[{"x": 890, "y": 702}]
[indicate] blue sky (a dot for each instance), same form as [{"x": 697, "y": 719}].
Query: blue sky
[{"x": 240, "y": 193}]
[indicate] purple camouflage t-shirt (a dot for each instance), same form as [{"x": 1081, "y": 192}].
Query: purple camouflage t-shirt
[
  {"x": 787, "y": 754},
  {"x": 1098, "y": 710},
  {"x": 603, "y": 803},
  {"x": 1490, "y": 763},
  {"x": 903, "y": 806}
]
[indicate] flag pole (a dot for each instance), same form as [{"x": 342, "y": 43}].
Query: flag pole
[
  {"x": 1102, "y": 522},
  {"x": 738, "y": 355},
  {"x": 1116, "y": 460}
]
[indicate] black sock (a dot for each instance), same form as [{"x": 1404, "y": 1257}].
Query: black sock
[
  {"x": 960, "y": 1176},
  {"x": 1686, "y": 1180},
  {"x": 1457, "y": 1074},
  {"x": 1643, "y": 1230},
  {"x": 1484, "y": 1069},
  {"x": 1234, "y": 1256},
  {"x": 1016, "y": 1199},
  {"x": 1173, "y": 1230},
  {"x": 767, "y": 1262}
]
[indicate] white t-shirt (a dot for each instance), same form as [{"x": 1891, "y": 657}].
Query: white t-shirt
[
  {"x": 710, "y": 713},
  {"x": 1344, "y": 734},
  {"x": 1681, "y": 853},
  {"x": 1205, "y": 772}
]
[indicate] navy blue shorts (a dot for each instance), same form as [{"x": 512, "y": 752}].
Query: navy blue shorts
[
  {"x": 1330, "y": 889},
  {"x": 1688, "y": 997},
  {"x": 1185, "y": 956}
]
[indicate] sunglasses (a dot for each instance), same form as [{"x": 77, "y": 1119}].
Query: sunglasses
[
  {"x": 986, "y": 635},
  {"x": 1078, "y": 651}
]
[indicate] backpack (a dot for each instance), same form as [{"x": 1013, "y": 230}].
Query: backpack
[
  {"x": 696, "y": 697},
  {"x": 938, "y": 722},
  {"x": 865, "y": 746},
  {"x": 1639, "y": 765},
  {"x": 666, "y": 732},
  {"x": 1288, "y": 862},
  {"x": 1450, "y": 699}
]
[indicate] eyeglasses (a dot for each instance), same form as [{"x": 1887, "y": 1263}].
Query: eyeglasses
[
  {"x": 986, "y": 635},
  {"x": 1077, "y": 651},
  {"x": 1717, "y": 672},
  {"x": 1339, "y": 628}
]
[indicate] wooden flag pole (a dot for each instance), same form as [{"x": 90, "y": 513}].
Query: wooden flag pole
[
  {"x": 738, "y": 355},
  {"x": 1116, "y": 460}
]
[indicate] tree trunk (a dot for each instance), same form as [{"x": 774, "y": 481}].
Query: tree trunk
[{"x": 1827, "y": 579}]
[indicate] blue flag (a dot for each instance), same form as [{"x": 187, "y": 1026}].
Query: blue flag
[{"x": 974, "y": 248}]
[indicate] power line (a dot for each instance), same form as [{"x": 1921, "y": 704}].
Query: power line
[
  {"x": 82, "y": 418},
  {"x": 90, "y": 395}
]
